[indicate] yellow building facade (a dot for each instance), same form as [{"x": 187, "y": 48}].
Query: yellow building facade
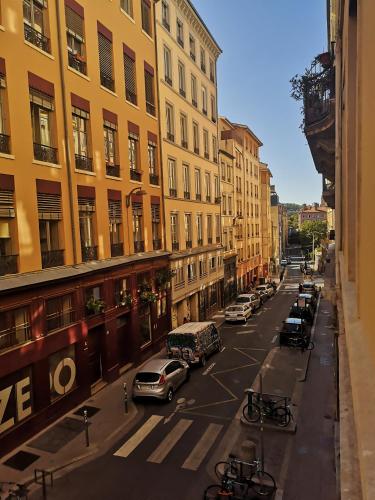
[
  {"x": 187, "y": 55},
  {"x": 266, "y": 220}
]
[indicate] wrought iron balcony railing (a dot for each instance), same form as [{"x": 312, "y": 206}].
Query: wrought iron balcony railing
[
  {"x": 89, "y": 253},
  {"x": 154, "y": 179},
  {"x": 175, "y": 245},
  {"x": 83, "y": 163},
  {"x": 15, "y": 335},
  {"x": 187, "y": 195},
  {"x": 184, "y": 144},
  {"x": 173, "y": 192},
  {"x": 45, "y": 153},
  {"x": 38, "y": 39},
  {"x": 77, "y": 63},
  {"x": 182, "y": 92},
  {"x": 4, "y": 144},
  {"x": 112, "y": 170},
  {"x": 117, "y": 249},
  {"x": 131, "y": 96},
  {"x": 156, "y": 244},
  {"x": 194, "y": 103},
  {"x": 170, "y": 137},
  {"x": 200, "y": 242},
  {"x": 8, "y": 264},
  {"x": 52, "y": 258},
  {"x": 168, "y": 80},
  {"x": 150, "y": 108},
  {"x": 107, "y": 82},
  {"x": 189, "y": 244},
  {"x": 135, "y": 175},
  {"x": 198, "y": 196},
  {"x": 60, "y": 319},
  {"x": 139, "y": 246}
]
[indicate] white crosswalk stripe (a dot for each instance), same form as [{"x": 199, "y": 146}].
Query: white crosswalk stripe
[
  {"x": 203, "y": 446},
  {"x": 137, "y": 438},
  {"x": 169, "y": 441}
]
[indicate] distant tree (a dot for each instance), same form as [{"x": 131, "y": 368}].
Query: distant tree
[
  {"x": 293, "y": 221},
  {"x": 292, "y": 207},
  {"x": 312, "y": 228}
]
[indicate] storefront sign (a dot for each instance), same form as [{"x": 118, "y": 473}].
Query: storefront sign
[
  {"x": 62, "y": 372},
  {"x": 15, "y": 399}
]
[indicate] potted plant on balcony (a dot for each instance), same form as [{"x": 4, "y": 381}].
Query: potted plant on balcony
[
  {"x": 94, "y": 306},
  {"x": 148, "y": 297},
  {"x": 125, "y": 298},
  {"x": 163, "y": 278}
]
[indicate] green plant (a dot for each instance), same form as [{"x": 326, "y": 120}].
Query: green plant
[
  {"x": 163, "y": 277},
  {"x": 148, "y": 297},
  {"x": 94, "y": 305},
  {"x": 125, "y": 298}
]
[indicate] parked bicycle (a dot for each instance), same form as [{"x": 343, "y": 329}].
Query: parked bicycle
[
  {"x": 269, "y": 408},
  {"x": 15, "y": 491}
]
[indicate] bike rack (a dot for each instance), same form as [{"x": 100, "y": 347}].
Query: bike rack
[{"x": 259, "y": 397}]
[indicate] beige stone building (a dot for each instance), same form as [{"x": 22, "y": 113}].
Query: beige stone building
[
  {"x": 276, "y": 230},
  {"x": 187, "y": 55},
  {"x": 266, "y": 220}
]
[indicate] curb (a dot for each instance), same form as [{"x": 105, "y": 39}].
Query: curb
[{"x": 290, "y": 429}]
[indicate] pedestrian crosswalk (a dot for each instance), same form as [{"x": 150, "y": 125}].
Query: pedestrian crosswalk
[{"x": 171, "y": 440}]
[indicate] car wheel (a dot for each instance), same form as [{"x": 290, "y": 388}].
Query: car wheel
[
  {"x": 203, "y": 360},
  {"x": 169, "y": 395}
]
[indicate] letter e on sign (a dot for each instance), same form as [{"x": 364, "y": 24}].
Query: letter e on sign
[
  {"x": 4, "y": 398},
  {"x": 22, "y": 397}
]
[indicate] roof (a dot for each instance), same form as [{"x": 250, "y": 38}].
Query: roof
[
  {"x": 248, "y": 129},
  {"x": 190, "y": 3},
  {"x": 293, "y": 321},
  {"x": 193, "y": 327},
  {"x": 154, "y": 365}
]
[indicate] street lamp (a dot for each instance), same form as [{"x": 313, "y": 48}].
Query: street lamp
[{"x": 138, "y": 190}]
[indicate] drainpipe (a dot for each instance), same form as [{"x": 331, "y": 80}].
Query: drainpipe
[{"x": 66, "y": 132}]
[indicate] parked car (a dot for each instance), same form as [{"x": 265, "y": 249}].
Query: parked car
[
  {"x": 305, "y": 312},
  {"x": 263, "y": 296},
  {"x": 267, "y": 287},
  {"x": 310, "y": 299},
  {"x": 284, "y": 262},
  {"x": 252, "y": 299},
  {"x": 291, "y": 328},
  {"x": 160, "y": 378},
  {"x": 288, "y": 261},
  {"x": 238, "y": 312},
  {"x": 308, "y": 271},
  {"x": 194, "y": 341},
  {"x": 309, "y": 287}
]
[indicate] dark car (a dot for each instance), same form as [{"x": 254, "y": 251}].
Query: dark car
[
  {"x": 310, "y": 299},
  {"x": 305, "y": 312},
  {"x": 309, "y": 287},
  {"x": 291, "y": 328}
]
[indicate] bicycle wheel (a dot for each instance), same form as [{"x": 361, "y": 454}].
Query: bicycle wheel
[
  {"x": 263, "y": 483},
  {"x": 311, "y": 346},
  {"x": 221, "y": 469},
  {"x": 251, "y": 413},
  {"x": 282, "y": 416},
  {"x": 216, "y": 492}
]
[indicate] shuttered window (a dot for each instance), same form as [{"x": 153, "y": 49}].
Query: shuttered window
[
  {"x": 146, "y": 17},
  {"x": 115, "y": 212},
  {"x": 105, "y": 62},
  {"x": 49, "y": 206},
  {"x": 149, "y": 88},
  {"x": 7, "y": 204},
  {"x": 86, "y": 204},
  {"x": 155, "y": 219},
  {"x": 74, "y": 23},
  {"x": 75, "y": 40},
  {"x": 137, "y": 211},
  {"x": 130, "y": 79}
]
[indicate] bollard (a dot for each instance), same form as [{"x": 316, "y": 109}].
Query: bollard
[
  {"x": 125, "y": 398},
  {"x": 86, "y": 422}
]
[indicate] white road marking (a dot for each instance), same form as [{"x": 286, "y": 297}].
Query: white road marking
[
  {"x": 203, "y": 446},
  {"x": 245, "y": 332},
  {"x": 170, "y": 441},
  {"x": 223, "y": 349},
  {"x": 274, "y": 339},
  {"x": 132, "y": 443},
  {"x": 207, "y": 371}
]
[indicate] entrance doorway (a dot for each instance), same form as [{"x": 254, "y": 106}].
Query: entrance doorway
[
  {"x": 124, "y": 341},
  {"x": 95, "y": 341}
]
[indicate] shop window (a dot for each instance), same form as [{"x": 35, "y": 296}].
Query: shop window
[
  {"x": 59, "y": 312},
  {"x": 14, "y": 327}
]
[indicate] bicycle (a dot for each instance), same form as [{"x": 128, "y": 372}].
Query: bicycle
[
  {"x": 16, "y": 491},
  {"x": 270, "y": 409},
  {"x": 249, "y": 474}
]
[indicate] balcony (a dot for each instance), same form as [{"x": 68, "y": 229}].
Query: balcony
[
  {"x": 83, "y": 163},
  {"x": 131, "y": 96},
  {"x": 206, "y": 155},
  {"x": 208, "y": 199},
  {"x": 135, "y": 175},
  {"x": 38, "y": 39},
  {"x": 15, "y": 335},
  {"x": 180, "y": 41},
  {"x": 89, "y": 253},
  {"x": 198, "y": 196},
  {"x": 194, "y": 103},
  {"x": 192, "y": 55},
  {"x": 139, "y": 246},
  {"x": 182, "y": 92},
  {"x": 107, "y": 82},
  {"x": 52, "y": 258},
  {"x": 76, "y": 62},
  {"x": 45, "y": 153},
  {"x": 168, "y": 80},
  {"x": 217, "y": 239},
  {"x": 150, "y": 108},
  {"x": 170, "y": 137},
  {"x": 154, "y": 179},
  {"x": 184, "y": 144},
  {"x": 187, "y": 195},
  {"x": 200, "y": 242},
  {"x": 117, "y": 249},
  {"x": 189, "y": 244},
  {"x": 179, "y": 285},
  {"x": 217, "y": 200},
  {"x": 112, "y": 170},
  {"x": 8, "y": 264},
  {"x": 209, "y": 240},
  {"x": 4, "y": 144},
  {"x": 329, "y": 192},
  {"x": 196, "y": 150},
  {"x": 175, "y": 246},
  {"x": 166, "y": 25},
  {"x": 156, "y": 244},
  {"x": 173, "y": 192}
]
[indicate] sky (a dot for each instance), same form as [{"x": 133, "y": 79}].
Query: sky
[{"x": 264, "y": 44}]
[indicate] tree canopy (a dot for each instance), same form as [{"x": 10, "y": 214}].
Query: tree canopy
[{"x": 313, "y": 228}]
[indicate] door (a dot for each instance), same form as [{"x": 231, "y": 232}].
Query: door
[
  {"x": 124, "y": 341},
  {"x": 95, "y": 355}
]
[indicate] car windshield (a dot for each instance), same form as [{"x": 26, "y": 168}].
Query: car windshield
[
  {"x": 292, "y": 328},
  {"x": 147, "y": 377},
  {"x": 261, "y": 288},
  {"x": 242, "y": 300},
  {"x": 179, "y": 340},
  {"x": 235, "y": 308}
]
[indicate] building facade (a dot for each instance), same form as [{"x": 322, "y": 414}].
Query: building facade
[
  {"x": 276, "y": 230},
  {"x": 266, "y": 221},
  {"x": 312, "y": 213},
  {"x": 187, "y": 55},
  {"x": 85, "y": 280}
]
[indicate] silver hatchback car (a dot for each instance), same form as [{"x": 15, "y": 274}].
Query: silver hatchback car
[{"x": 160, "y": 378}]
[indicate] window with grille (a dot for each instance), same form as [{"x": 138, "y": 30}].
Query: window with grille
[
  {"x": 192, "y": 47},
  {"x": 41, "y": 105},
  {"x": 130, "y": 79},
  {"x": 180, "y": 32},
  {"x": 14, "y": 327},
  {"x": 169, "y": 121},
  {"x": 197, "y": 178},
  {"x": 199, "y": 229},
  {"x": 133, "y": 151},
  {"x": 167, "y": 65},
  {"x": 183, "y": 131},
  {"x": 105, "y": 62},
  {"x": 152, "y": 158},
  {"x": 194, "y": 94},
  {"x": 205, "y": 143},
  {"x": 137, "y": 212},
  {"x": 34, "y": 23},
  {"x": 86, "y": 208},
  {"x": 172, "y": 181},
  {"x": 203, "y": 60},
  {"x": 186, "y": 179},
  {"x": 188, "y": 231},
  {"x": 174, "y": 228},
  {"x": 155, "y": 221},
  {"x": 165, "y": 15},
  {"x": 75, "y": 40},
  {"x": 146, "y": 16},
  {"x": 115, "y": 221},
  {"x": 181, "y": 79},
  {"x": 127, "y": 6},
  {"x": 208, "y": 186},
  {"x": 59, "y": 312},
  {"x": 109, "y": 132},
  {"x": 149, "y": 90},
  {"x": 80, "y": 135}
]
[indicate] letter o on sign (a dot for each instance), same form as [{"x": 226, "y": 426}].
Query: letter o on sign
[{"x": 59, "y": 388}]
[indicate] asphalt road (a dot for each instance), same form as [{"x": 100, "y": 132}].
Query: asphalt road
[{"x": 165, "y": 455}]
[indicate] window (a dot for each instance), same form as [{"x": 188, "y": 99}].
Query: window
[
  {"x": 152, "y": 162},
  {"x": 222, "y": 169},
  {"x": 14, "y": 327},
  {"x": 4, "y": 138},
  {"x": 191, "y": 271},
  {"x": 86, "y": 208},
  {"x": 127, "y": 6},
  {"x": 218, "y": 227},
  {"x": 213, "y": 108},
  {"x": 167, "y": 65},
  {"x": 155, "y": 222},
  {"x": 192, "y": 47},
  {"x": 194, "y": 94},
  {"x": 110, "y": 149},
  {"x": 137, "y": 213},
  {"x": 149, "y": 90},
  {"x": 180, "y": 33},
  {"x": 207, "y": 177},
  {"x": 217, "y": 189},
  {"x": 172, "y": 177},
  {"x": 105, "y": 60},
  {"x": 34, "y": 25},
  {"x": 115, "y": 226},
  {"x": 204, "y": 100},
  {"x": 199, "y": 229},
  {"x": 212, "y": 71},
  {"x": 181, "y": 79},
  {"x": 214, "y": 148},
  {"x": 42, "y": 108},
  {"x": 229, "y": 205},
  {"x": 75, "y": 40},
  {"x": 146, "y": 16},
  {"x": 203, "y": 60},
  {"x": 80, "y": 136},
  {"x": 50, "y": 215},
  {"x": 59, "y": 312},
  {"x": 130, "y": 78},
  {"x": 209, "y": 229},
  {"x": 165, "y": 15},
  {"x": 183, "y": 131},
  {"x": 202, "y": 266},
  {"x": 174, "y": 232},
  {"x": 212, "y": 263},
  {"x": 205, "y": 144},
  {"x": 169, "y": 122},
  {"x": 188, "y": 231},
  {"x": 186, "y": 181},
  {"x": 8, "y": 261},
  {"x": 197, "y": 182},
  {"x": 133, "y": 144},
  {"x": 224, "y": 204},
  {"x": 196, "y": 137}
]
